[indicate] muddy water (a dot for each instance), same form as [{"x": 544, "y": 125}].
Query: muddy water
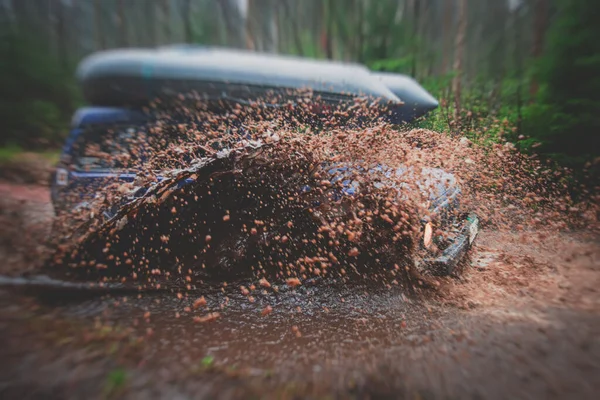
[
  {"x": 522, "y": 334},
  {"x": 323, "y": 323},
  {"x": 531, "y": 332}
]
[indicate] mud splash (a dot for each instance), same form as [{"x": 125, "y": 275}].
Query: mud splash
[
  {"x": 269, "y": 198},
  {"x": 309, "y": 321},
  {"x": 328, "y": 333}
]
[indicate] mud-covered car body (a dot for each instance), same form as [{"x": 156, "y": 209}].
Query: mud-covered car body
[
  {"x": 75, "y": 179},
  {"x": 79, "y": 179}
]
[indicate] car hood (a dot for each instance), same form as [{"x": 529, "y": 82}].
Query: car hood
[
  {"x": 434, "y": 183},
  {"x": 439, "y": 187}
]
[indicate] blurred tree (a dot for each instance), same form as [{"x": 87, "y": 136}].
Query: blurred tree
[
  {"x": 235, "y": 14},
  {"x": 61, "y": 42},
  {"x": 290, "y": 16},
  {"x": 262, "y": 25},
  {"x": 491, "y": 59},
  {"x": 566, "y": 118},
  {"x": 447, "y": 33},
  {"x": 149, "y": 26},
  {"x": 541, "y": 21},
  {"x": 100, "y": 37},
  {"x": 187, "y": 20},
  {"x": 122, "y": 24},
  {"x": 165, "y": 8},
  {"x": 327, "y": 33},
  {"x": 459, "y": 51}
]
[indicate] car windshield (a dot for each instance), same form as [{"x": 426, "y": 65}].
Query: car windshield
[
  {"x": 104, "y": 148},
  {"x": 110, "y": 148}
]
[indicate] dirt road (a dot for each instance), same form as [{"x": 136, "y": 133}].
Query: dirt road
[{"x": 522, "y": 322}]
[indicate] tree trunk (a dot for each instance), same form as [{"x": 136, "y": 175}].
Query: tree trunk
[
  {"x": 361, "y": 31},
  {"x": 100, "y": 39},
  {"x": 425, "y": 40},
  {"x": 415, "y": 36},
  {"x": 459, "y": 50},
  {"x": 295, "y": 30},
  {"x": 446, "y": 33},
  {"x": 151, "y": 23},
  {"x": 268, "y": 25},
  {"x": 519, "y": 66},
  {"x": 123, "y": 34},
  {"x": 540, "y": 24},
  {"x": 166, "y": 20},
  {"x": 61, "y": 38},
  {"x": 187, "y": 21},
  {"x": 236, "y": 21},
  {"x": 328, "y": 31}
]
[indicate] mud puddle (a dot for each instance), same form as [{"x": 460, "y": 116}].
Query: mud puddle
[
  {"x": 521, "y": 323},
  {"x": 303, "y": 328}
]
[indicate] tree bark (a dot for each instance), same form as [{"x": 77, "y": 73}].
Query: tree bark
[
  {"x": 446, "y": 33},
  {"x": 295, "y": 30},
  {"x": 236, "y": 22},
  {"x": 123, "y": 34},
  {"x": 415, "y": 36},
  {"x": 361, "y": 31},
  {"x": 100, "y": 39},
  {"x": 166, "y": 20},
  {"x": 268, "y": 25},
  {"x": 61, "y": 38},
  {"x": 519, "y": 66},
  {"x": 540, "y": 24},
  {"x": 151, "y": 23},
  {"x": 327, "y": 40},
  {"x": 187, "y": 21},
  {"x": 425, "y": 39},
  {"x": 459, "y": 51}
]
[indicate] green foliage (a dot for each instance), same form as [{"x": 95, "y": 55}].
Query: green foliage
[
  {"x": 38, "y": 92},
  {"x": 566, "y": 118},
  {"x": 384, "y": 38},
  {"x": 488, "y": 109},
  {"x": 562, "y": 121},
  {"x": 207, "y": 361},
  {"x": 9, "y": 152},
  {"x": 115, "y": 382},
  {"x": 401, "y": 65}
]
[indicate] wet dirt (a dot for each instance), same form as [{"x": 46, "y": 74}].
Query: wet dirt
[
  {"x": 25, "y": 221},
  {"x": 522, "y": 321}
]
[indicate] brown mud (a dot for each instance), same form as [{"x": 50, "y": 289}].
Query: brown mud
[{"x": 522, "y": 321}]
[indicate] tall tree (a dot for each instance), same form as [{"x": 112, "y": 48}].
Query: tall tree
[
  {"x": 61, "y": 39},
  {"x": 540, "y": 24},
  {"x": 98, "y": 22},
  {"x": 327, "y": 32},
  {"x": 122, "y": 24},
  {"x": 459, "y": 51},
  {"x": 570, "y": 75},
  {"x": 150, "y": 23},
  {"x": 416, "y": 8},
  {"x": 187, "y": 21},
  {"x": 360, "y": 39},
  {"x": 295, "y": 29},
  {"x": 518, "y": 61},
  {"x": 447, "y": 33},
  {"x": 235, "y": 14},
  {"x": 165, "y": 9},
  {"x": 264, "y": 24}
]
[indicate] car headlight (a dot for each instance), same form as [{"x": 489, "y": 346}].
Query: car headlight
[
  {"x": 62, "y": 177},
  {"x": 428, "y": 235}
]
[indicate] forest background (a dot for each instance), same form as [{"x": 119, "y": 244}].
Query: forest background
[{"x": 523, "y": 71}]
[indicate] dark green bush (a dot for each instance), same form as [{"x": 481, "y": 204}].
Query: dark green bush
[
  {"x": 565, "y": 120},
  {"x": 38, "y": 92}
]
